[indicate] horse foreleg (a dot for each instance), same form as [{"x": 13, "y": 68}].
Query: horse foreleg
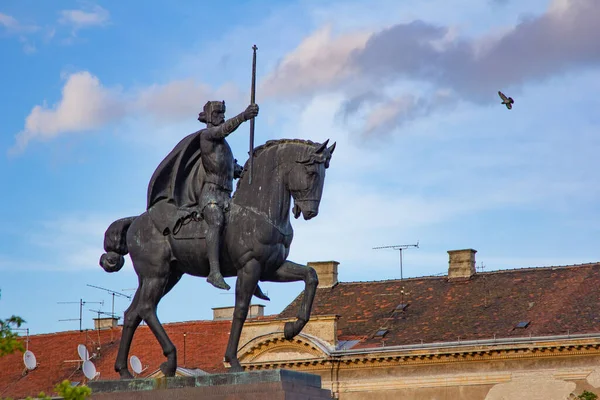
[
  {"x": 293, "y": 272},
  {"x": 247, "y": 280}
]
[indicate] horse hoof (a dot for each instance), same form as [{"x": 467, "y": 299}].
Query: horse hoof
[
  {"x": 236, "y": 368},
  {"x": 167, "y": 369},
  {"x": 289, "y": 331},
  {"x": 125, "y": 374}
]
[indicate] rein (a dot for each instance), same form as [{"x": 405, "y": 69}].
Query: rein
[{"x": 260, "y": 214}]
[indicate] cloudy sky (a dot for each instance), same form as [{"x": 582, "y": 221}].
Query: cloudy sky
[{"x": 94, "y": 95}]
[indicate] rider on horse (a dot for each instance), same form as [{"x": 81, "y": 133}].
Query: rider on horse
[{"x": 220, "y": 168}]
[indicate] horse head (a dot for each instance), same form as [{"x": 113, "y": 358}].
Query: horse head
[{"x": 306, "y": 178}]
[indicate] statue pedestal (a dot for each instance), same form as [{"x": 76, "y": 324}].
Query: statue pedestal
[{"x": 269, "y": 384}]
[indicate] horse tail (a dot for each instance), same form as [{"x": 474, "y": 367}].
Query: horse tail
[{"x": 115, "y": 245}]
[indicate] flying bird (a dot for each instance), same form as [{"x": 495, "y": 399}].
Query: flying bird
[{"x": 508, "y": 101}]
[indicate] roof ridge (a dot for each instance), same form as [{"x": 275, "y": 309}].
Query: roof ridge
[
  {"x": 550, "y": 267},
  {"x": 499, "y": 271},
  {"x": 175, "y": 323}
]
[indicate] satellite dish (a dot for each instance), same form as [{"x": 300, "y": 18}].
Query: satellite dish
[
  {"x": 136, "y": 364},
  {"x": 29, "y": 360},
  {"x": 89, "y": 369},
  {"x": 83, "y": 352}
]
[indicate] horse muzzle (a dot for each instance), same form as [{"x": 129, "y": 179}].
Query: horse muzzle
[{"x": 309, "y": 209}]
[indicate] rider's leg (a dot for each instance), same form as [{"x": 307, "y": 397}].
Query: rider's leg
[{"x": 214, "y": 219}]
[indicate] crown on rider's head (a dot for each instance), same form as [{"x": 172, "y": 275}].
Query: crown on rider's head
[{"x": 209, "y": 107}]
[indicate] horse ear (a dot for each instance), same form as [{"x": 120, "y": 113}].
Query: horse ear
[
  {"x": 330, "y": 152},
  {"x": 332, "y": 148},
  {"x": 322, "y": 147}
]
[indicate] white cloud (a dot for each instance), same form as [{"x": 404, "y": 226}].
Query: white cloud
[
  {"x": 181, "y": 98},
  {"x": 321, "y": 60},
  {"x": 363, "y": 64},
  {"x": 389, "y": 113},
  {"x": 86, "y": 104},
  {"x": 92, "y": 15},
  {"x": 24, "y": 31},
  {"x": 417, "y": 187},
  {"x": 71, "y": 242},
  {"x": 13, "y": 26}
]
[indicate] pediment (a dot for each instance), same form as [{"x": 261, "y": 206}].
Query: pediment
[{"x": 275, "y": 348}]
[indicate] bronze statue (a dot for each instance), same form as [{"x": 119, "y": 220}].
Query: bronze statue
[
  {"x": 170, "y": 238},
  {"x": 193, "y": 226}
]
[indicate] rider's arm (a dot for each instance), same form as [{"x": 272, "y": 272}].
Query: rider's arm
[{"x": 227, "y": 127}]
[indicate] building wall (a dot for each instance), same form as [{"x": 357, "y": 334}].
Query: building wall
[
  {"x": 546, "y": 378},
  {"x": 553, "y": 371}
]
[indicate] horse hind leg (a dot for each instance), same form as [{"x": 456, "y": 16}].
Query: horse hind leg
[
  {"x": 153, "y": 290},
  {"x": 293, "y": 272},
  {"x": 131, "y": 321}
]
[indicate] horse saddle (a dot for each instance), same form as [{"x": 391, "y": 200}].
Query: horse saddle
[{"x": 178, "y": 222}]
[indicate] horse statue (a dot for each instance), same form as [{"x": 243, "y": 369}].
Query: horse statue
[{"x": 256, "y": 242}]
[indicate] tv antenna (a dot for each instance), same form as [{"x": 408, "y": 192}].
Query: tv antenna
[
  {"x": 113, "y": 293},
  {"x": 399, "y": 247},
  {"x": 81, "y": 303},
  {"x": 486, "y": 291},
  {"x": 26, "y": 330},
  {"x": 28, "y": 357}
]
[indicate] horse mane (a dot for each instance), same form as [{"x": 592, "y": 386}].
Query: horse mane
[{"x": 270, "y": 143}]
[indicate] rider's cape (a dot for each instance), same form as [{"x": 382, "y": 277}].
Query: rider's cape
[{"x": 179, "y": 177}]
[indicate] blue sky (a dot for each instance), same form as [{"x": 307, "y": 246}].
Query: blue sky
[{"x": 95, "y": 94}]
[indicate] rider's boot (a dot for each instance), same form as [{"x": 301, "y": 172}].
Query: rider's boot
[{"x": 215, "y": 277}]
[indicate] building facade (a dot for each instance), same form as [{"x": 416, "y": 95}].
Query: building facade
[{"x": 531, "y": 333}]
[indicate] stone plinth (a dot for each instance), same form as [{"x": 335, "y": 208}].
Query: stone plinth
[{"x": 274, "y": 384}]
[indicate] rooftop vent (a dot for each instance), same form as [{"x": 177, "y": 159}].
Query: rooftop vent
[
  {"x": 346, "y": 344},
  {"x": 522, "y": 324},
  {"x": 381, "y": 333},
  {"x": 226, "y": 313}
]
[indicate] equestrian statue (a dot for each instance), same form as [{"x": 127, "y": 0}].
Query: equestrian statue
[{"x": 193, "y": 225}]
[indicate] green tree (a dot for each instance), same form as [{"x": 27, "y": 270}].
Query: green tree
[
  {"x": 72, "y": 392},
  {"x": 9, "y": 342},
  {"x": 587, "y": 396},
  {"x": 66, "y": 391}
]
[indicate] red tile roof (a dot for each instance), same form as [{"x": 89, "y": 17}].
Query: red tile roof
[
  {"x": 556, "y": 301},
  {"x": 205, "y": 344}
]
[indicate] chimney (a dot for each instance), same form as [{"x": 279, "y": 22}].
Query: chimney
[
  {"x": 461, "y": 264},
  {"x": 105, "y": 323},
  {"x": 226, "y": 313},
  {"x": 327, "y": 271}
]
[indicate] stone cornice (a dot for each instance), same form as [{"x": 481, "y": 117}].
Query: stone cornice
[{"x": 381, "y": 357}]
